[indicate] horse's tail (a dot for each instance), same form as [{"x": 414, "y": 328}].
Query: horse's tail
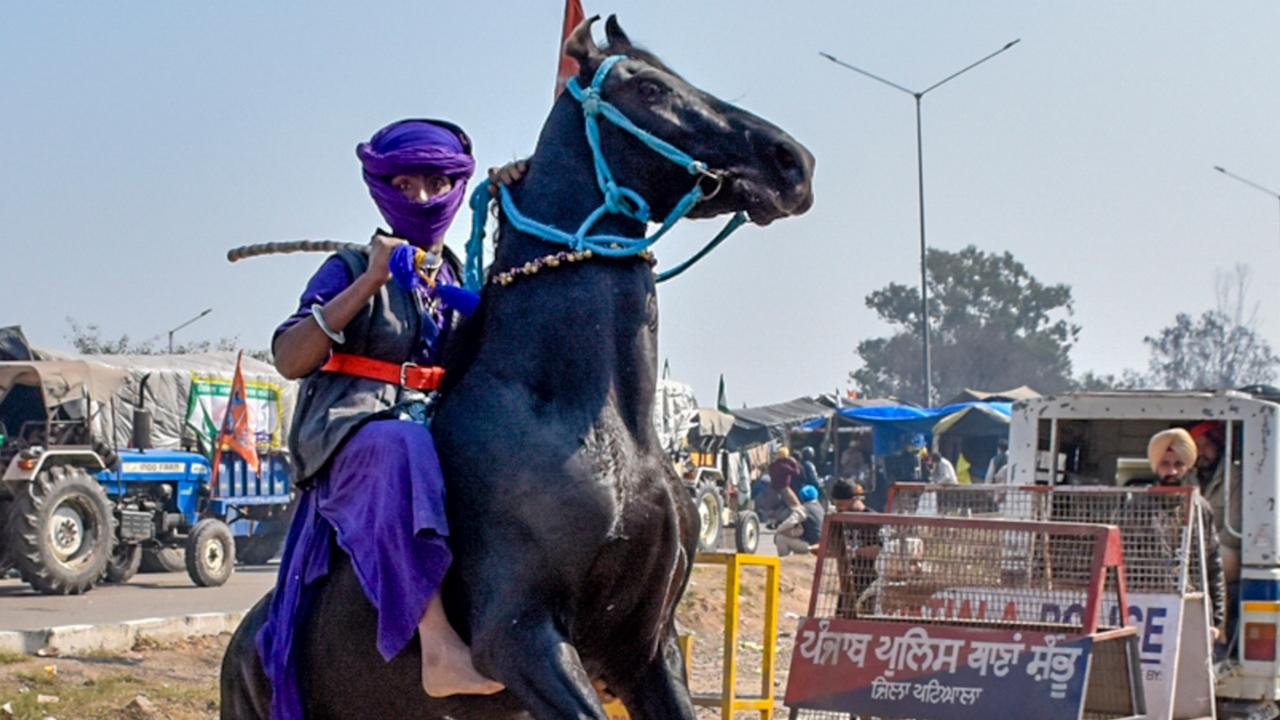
[{"x": 245, "y": 690}]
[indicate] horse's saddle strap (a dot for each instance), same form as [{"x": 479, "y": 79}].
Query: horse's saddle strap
[{"x": 416, "y": 377}]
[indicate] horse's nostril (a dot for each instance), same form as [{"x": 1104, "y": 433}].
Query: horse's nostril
[{"x": 789, "y": 162}]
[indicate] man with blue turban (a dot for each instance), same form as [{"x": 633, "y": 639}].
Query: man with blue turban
[{"x": 367, "y": 351}]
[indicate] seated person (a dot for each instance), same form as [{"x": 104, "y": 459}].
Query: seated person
[{"x": 803, "y": 527}]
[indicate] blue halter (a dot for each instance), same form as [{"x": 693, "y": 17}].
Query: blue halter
[{"x": 618, "y": 200}]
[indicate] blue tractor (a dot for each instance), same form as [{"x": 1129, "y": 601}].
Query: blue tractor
[{"x": 76, "y": 510}]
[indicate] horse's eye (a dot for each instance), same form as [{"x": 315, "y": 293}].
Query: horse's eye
[{"x": 651, "y": 92}]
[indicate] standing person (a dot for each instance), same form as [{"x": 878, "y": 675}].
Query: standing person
[
  {"x": 1172, "y": 455},
  {"x": 996, "y": 468},
  {"x": 785, "y": 473},
  {"x": 1211, "y": 471},
  {"x": 905, "y": 465},
  {"x": 855, "y": 549},
  {"x": 802, "y": 529},
  {"x": 810, "y": 470},
  {"x": 371, "y": 482},
  {"x": 940, "y": 469}
]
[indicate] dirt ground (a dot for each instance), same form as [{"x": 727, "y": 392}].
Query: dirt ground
[{"x": 180, "y": 681}]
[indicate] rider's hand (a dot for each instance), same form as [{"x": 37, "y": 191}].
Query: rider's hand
[
  {"x": 380, "y": 247},
  {"x": 508, "y": 174}
]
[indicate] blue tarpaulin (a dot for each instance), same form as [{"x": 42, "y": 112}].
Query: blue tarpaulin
[{"x": 892, "y": 424}]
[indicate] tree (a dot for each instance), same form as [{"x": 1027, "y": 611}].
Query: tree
[
  {"x": 992, "y": 325},
  {"x": 87, "y": 340},
  {"x": 1220, "y": 349}
]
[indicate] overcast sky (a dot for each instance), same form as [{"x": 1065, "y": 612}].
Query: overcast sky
[{"x": 139, "y": 141}]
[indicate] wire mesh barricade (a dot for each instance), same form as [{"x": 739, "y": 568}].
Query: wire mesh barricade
[
  {"x": 938, "y": 617},
  {"x": 1164, "y": 558}
]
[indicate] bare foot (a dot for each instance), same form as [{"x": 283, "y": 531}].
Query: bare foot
[
  {"x": 447, "y": 670},
  {"x": 446, "y": 660}
]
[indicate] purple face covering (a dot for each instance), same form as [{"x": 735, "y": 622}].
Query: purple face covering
[{"x": 417, "y": 147}]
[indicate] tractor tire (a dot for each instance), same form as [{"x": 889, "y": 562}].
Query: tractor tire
[
  {"x": 62, "y": 531},
  {"x": 163, "y": 560},
  {"x": 706, "y": 501},
  {"x": 259, "y": 548},
  {"x": 746, "y": 534},
  {"x": 124, "y": 563},
  {"x": 211, "y": 553}
]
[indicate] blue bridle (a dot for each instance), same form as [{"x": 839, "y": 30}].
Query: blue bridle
[{"x": 618, "y": 200}]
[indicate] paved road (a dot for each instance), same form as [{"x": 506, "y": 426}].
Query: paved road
[
  {"x": 147, "y": 595},
  {"x": 150, "y": 595}
]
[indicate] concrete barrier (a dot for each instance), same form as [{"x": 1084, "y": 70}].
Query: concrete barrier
[{"x": 118, "y": 636}]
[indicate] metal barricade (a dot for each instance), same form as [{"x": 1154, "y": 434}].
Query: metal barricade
[
  {"x": 942, "y": 617},
  {"x": 729, "y": 701},
  {"x": 1162, "y": 539}
]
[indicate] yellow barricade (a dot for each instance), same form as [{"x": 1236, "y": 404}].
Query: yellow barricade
[{"x": 728, "y": 700}]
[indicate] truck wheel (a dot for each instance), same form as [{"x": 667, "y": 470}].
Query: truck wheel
[
  {"x": 163, "y": 560},
  {"x": 746, "y": 535},
  {"x": 211, "y": 553},
  {"x": 707, "y": 502},
  {"x": 62, "y": 531},
  {"x": 124, "y": 563}
]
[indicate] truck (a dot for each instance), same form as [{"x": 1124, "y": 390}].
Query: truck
[
  {"x": 85, "y": 491},
  {"x": 1101, "y": 438}
]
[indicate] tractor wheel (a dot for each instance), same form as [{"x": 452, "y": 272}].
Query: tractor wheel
[
  {"x": 259, "y": 548},
  {"x": 124, "y": 563},
  {"x": 746, "y": 535},
  {"x": 163, "y": 560},
  {"x": 61, "y": 531},
  {"x": 211, "y": 553},
  {"x": 707, "y": 502}
]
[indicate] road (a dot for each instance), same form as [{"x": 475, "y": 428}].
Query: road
[
  {"x": 147, "y": 595},
  {"x": 150, "y": 595}
]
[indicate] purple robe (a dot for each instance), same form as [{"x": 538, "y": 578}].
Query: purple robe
[{"x": 381, "y": 499}]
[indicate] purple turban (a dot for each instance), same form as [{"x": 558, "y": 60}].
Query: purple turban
[{"x": 417, "y": 147}]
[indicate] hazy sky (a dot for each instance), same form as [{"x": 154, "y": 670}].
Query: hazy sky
[{"x": 138, "y": 141}]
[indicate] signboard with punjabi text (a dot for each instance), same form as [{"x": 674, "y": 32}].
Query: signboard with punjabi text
[{"x": 902, "y": 669}]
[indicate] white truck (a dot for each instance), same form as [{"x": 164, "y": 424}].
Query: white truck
[{"x": 1101, "y": 439}]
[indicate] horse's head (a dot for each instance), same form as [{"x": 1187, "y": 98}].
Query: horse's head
[{"x": 754, "y": 165}]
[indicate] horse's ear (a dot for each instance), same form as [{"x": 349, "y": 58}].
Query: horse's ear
[
  {"x": 613, "y": 31},
  {"x": 582, "y": 47}
]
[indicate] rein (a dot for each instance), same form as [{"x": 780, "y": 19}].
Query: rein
[{"x": 618, "y": 200}]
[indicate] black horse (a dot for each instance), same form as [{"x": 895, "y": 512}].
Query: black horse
[{"x": 573, "y": 536}]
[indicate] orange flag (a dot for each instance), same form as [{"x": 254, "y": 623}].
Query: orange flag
[
  {"x": 237, "y": 433},
  {"x": 573, "y": 16}
]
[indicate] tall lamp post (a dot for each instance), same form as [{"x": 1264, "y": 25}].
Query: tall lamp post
[
  {"x": 924, "y": 273},
  {"x": 1248, "y": 182},
  {"x": 171, "y": 332}
]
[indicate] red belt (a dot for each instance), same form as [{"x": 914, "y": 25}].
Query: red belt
[{"x": 417, "y": 377}]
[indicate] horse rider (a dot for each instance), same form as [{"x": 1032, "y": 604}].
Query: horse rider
[{"x": 367, "y": 350}]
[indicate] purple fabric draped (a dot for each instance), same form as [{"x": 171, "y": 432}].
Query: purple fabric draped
[
  {"x": 381, "y": 501},
  {"x": 417, "y": 147}
]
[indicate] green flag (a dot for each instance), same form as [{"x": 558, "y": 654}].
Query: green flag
[{"x": 722, "y": 402}]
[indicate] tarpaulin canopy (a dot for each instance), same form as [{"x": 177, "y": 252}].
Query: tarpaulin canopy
[
  {"x": 981, "y": 420},
  {"x": 753, "y": 426},
  {"x": 894, "y": 423},
  {"x": 1022, "y": 392}
]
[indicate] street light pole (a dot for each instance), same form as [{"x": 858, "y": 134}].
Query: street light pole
[
  {"x": 1248, "y": 182},
  {"x": 171, "y": 332},
  {"x": 918, "y": 95}
]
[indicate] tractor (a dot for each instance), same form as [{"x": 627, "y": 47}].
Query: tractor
[{"x": 75, "y": 509}]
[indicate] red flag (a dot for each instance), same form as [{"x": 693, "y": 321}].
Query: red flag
[
  {"x": 237, "y": 433},
  {"x": 573, "y": 16}
]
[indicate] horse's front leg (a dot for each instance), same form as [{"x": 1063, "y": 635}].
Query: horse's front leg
[
  {"x": 658, "y": 690},
  {"x": 524, "y": 650}
]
